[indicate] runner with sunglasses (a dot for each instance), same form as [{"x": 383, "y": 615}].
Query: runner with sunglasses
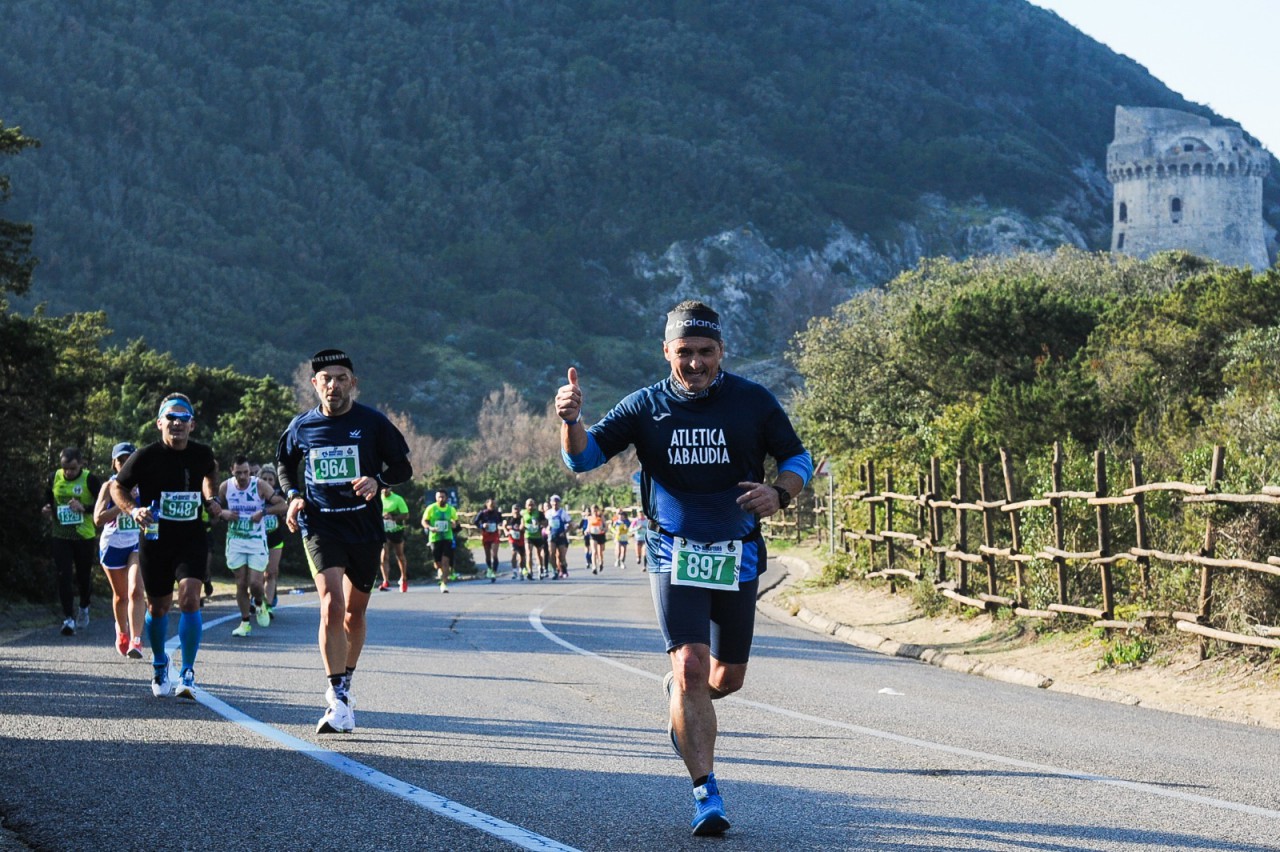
[{"x": 175, "y": 478}]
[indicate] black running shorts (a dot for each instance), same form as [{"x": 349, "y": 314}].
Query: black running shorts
[
  {"x": 688, "y": 615},
  {"x": 442, "y": 549},
  {"x": 164, "y": 561},
  {"x": 360, "y": 561}
]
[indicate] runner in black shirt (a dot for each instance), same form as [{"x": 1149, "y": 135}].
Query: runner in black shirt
[
  {"x": 175, "y": 477},
  {"x": 332, "y": 461}
]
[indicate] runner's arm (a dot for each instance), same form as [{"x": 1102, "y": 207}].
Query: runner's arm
[
  {"x": 210, "y": 490},
  {"x": 276, "y": 504},
  {"x": 105, "y": 510}
]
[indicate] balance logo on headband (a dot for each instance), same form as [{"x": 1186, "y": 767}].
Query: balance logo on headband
[{"x": 697, "y": 323}]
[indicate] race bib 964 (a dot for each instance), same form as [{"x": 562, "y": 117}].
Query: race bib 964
[{"x": 334, "y": 465}]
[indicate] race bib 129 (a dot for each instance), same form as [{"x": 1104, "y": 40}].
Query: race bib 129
[{"x": 711, "y": 565}]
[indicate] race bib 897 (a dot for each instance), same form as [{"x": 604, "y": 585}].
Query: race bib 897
[{"x": 710, "y": 565}]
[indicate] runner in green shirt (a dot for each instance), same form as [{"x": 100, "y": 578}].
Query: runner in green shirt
[
  {"x": 394, "y": 513},
  {"x": 439, "y": 521},
  {"x": 69, "y": 505}
]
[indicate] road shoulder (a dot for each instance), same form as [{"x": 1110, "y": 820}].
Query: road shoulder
[{"x": 1229, "y": 688}]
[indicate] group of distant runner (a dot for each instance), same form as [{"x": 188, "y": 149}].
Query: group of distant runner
[{"x": 701, "y": 436}]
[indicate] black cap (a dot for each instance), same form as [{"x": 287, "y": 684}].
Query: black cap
[{"x": 330, "y": 358}]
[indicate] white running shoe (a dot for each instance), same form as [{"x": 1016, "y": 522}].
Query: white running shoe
[
  {"x": 332, "y": 699},
  {"x": 161, "y": 685},
  {"x": 82, "y": 620},
  {"x": 69, "y": 627},
  {"x": 187, "y": 686},
  {"x": 245, "y": 628},
  {"x": 338, "y": 719}
]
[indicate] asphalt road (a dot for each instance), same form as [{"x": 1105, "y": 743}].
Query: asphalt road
[{"x": 531, "y": 714}]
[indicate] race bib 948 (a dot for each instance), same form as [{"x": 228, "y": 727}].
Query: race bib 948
[
  {"x": 710, "y": 565},
  {"x": 334, "y": 465},
  {"x": 179, "y": 505}
]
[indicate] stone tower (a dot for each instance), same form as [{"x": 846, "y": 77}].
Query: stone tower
[{"x": 1183, "y": 184}]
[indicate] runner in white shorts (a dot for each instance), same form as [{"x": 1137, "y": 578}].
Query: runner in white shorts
[
  {"x": 118, "y": 553},
  {"x": 247, "y": 500}
]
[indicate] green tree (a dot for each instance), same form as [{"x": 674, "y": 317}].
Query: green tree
[{"x": 16, "y": 261}]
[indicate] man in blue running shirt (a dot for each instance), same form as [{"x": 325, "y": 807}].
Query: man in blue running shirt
[
  {"x": 702, "y": 436},
  {"x": 332, "y": 462}
]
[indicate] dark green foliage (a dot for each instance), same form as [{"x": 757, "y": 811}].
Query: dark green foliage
[
  {"x": 1162, "y": 358},
  {"x": 454, "y": 192},
  {"x": 16, "y": 262}
]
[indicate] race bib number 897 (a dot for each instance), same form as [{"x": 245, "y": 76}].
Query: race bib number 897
[{"x": 713, "y": 565}]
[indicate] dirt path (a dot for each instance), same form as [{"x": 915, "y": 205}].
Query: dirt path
[{"x": 1233, "y": 686}]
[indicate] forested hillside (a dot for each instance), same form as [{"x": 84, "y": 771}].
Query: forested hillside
[{"x": 458, "y": 192}]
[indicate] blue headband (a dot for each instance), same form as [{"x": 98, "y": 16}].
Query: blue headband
[{"x": 172, "y": 404}]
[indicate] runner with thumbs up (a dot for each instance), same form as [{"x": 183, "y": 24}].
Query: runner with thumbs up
[{"x": 702, "y": 436}]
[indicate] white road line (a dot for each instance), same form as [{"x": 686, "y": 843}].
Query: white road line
[
  {"x": 425, "y": 799},
  {"x": 535, "y": 619}
]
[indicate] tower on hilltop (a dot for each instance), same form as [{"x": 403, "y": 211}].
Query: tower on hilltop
[{"x": 1180, "y": 183}]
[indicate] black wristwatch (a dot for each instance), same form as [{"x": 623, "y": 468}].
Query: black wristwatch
[{"x": 784, "y": 496}]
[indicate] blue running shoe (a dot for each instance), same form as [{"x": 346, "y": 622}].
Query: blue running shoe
[{"x": 708, "y": 810}]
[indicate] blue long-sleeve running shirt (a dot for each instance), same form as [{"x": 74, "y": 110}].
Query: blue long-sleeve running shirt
[
  {"x": 333, "y": 451},
  {"x": 694, "y": 452}
]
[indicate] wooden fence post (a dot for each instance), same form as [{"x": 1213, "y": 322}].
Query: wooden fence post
[
  {"x": 1210, "y": 545},
  {"x": 1140, "y": 524},
  {"x": 988, "y": 528},
  {"x": 871, "y": 514},
  {"x": 888, "y": 527},
  {"x": 1059, "y": 524},
  {"x": 842, "y": 527},
  {"x": 1015, "y": 529},
  {"x": 962, "y": 530},
  {"x": 922, "y": 523},
  {"x": 1104, "y": 533},
  {"x": 935, "y": 521}
]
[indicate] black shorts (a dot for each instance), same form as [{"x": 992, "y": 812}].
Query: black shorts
[
  {"x": 597, "y": 538},
  {"x": 360, "y": 561},
  {"x": 396, "y": 537},
  {"x": 560, "y": 539},
  {"x": 164, "y": 561},
  {"x": 442, "y": 549},
  {"x": 688, "y": 615}
]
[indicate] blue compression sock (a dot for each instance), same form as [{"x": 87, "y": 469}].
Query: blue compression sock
[
  {"x": 156, "y": 629},
  {"x": 190, "y": 625}
]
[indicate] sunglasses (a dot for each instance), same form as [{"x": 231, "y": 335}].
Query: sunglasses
[{"x": 177, "y": 418}]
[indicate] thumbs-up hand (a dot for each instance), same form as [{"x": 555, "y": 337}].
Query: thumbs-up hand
[{"x": 569, "y": 398}]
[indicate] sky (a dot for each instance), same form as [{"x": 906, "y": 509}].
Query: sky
[{"x": 1222, "y": 54}]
